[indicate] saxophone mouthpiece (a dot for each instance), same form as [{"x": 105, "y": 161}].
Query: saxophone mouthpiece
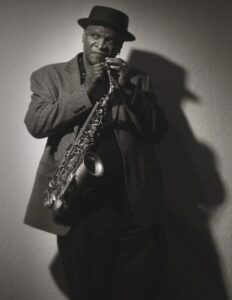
[{"x": 106, "y": 64}]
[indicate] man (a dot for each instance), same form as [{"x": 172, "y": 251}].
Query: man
[{"x": 111, "y": 246}]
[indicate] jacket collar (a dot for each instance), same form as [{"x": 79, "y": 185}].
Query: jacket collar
[
  {"x": 72, "y": 65},
  {"x": 76, "y": 64}
]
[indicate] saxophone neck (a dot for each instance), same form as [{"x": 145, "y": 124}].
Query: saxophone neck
[{"x": 112, "y": 82}]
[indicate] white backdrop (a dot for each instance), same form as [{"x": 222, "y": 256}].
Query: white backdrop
[{"x": 185, "y": 45}]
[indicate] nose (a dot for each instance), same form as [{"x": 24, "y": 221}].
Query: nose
[{"x": 101, "y": 44}]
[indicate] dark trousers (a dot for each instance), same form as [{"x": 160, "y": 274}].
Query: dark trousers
[{"x": 108, "y": 255}]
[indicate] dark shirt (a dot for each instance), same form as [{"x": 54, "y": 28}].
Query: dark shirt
[{"x": 111, "y": 186}]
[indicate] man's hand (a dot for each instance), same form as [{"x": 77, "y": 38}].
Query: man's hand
[
  {"x": 121, "y": 68},
  {"x": 94, "y": 74}
]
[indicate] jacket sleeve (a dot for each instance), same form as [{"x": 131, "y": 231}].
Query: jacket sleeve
[
  {"x": 48, "y": 113},
  {"x": 144, "y": 111}
]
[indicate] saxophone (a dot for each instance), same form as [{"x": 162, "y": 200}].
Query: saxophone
[{"x": 79, "y": 162}]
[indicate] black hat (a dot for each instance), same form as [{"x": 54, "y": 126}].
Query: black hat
[{"x": 108, "y": 17}]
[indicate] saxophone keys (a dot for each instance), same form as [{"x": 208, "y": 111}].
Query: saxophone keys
[
  {"x": 49, "y": 200},
  {"x": 70, "y": 166},
  {"x": 47, "y": 204},
  {"x": 57, "y": 204},
  {"x": 104, "y": 103},
  {"x": 63, "y": 178},
  {"x": 51, "y": 184},
  {"x": 70, "y": 177},
  {"x": 72, "y": 161}
]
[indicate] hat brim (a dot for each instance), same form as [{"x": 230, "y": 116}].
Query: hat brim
[{"x": 84, "y": 22}]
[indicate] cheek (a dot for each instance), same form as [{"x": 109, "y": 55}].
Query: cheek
[{"x": 87, "y": 43}]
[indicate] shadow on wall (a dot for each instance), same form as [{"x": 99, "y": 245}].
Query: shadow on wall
[
  {"x": 193, "y": 188},
  {"x": 193, "y": 191}
]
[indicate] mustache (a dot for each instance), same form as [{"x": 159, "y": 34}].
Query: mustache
[{"x": 101, "y": 57}]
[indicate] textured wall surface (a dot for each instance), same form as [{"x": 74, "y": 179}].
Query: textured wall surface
[{"x": 186, "y": 46}]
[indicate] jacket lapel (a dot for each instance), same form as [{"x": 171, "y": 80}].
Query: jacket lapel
[
  {"x": 74, "y": 79},
  {"x": 72, "y": 65}
]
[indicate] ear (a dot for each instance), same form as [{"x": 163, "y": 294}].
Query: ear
[
  {"x": 83, "y": 37},
  {"x": 119, "y": 47}
]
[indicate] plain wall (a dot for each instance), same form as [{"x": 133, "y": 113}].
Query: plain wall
[{"x": 186, "y": 46}]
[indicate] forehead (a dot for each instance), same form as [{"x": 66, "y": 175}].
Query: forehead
[{"x": 103, "y": 31}]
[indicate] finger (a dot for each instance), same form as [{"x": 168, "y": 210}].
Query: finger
[
  {"x": 120, "y": 69},
  {"x": 120, "y": 66},
  {"x": 99, "y": 73},
  {"x": 114, "y": 61},
  {"x": 115, "y": 67},
  {"x": 98, "y": 66},
  {"x": 97, "y": 69}
]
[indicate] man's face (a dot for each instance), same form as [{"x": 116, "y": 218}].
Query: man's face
[{"x": 100, "y": 42}]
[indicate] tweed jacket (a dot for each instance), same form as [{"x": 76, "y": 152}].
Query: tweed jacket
[{"x": 59, "y": 103}]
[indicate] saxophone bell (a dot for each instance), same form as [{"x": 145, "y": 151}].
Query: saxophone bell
[{"x": 91, "y": 166}]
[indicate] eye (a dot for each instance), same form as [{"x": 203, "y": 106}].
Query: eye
[
  {"x": 95, "y": 36},
  {"x": 113, "y": 42}
]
